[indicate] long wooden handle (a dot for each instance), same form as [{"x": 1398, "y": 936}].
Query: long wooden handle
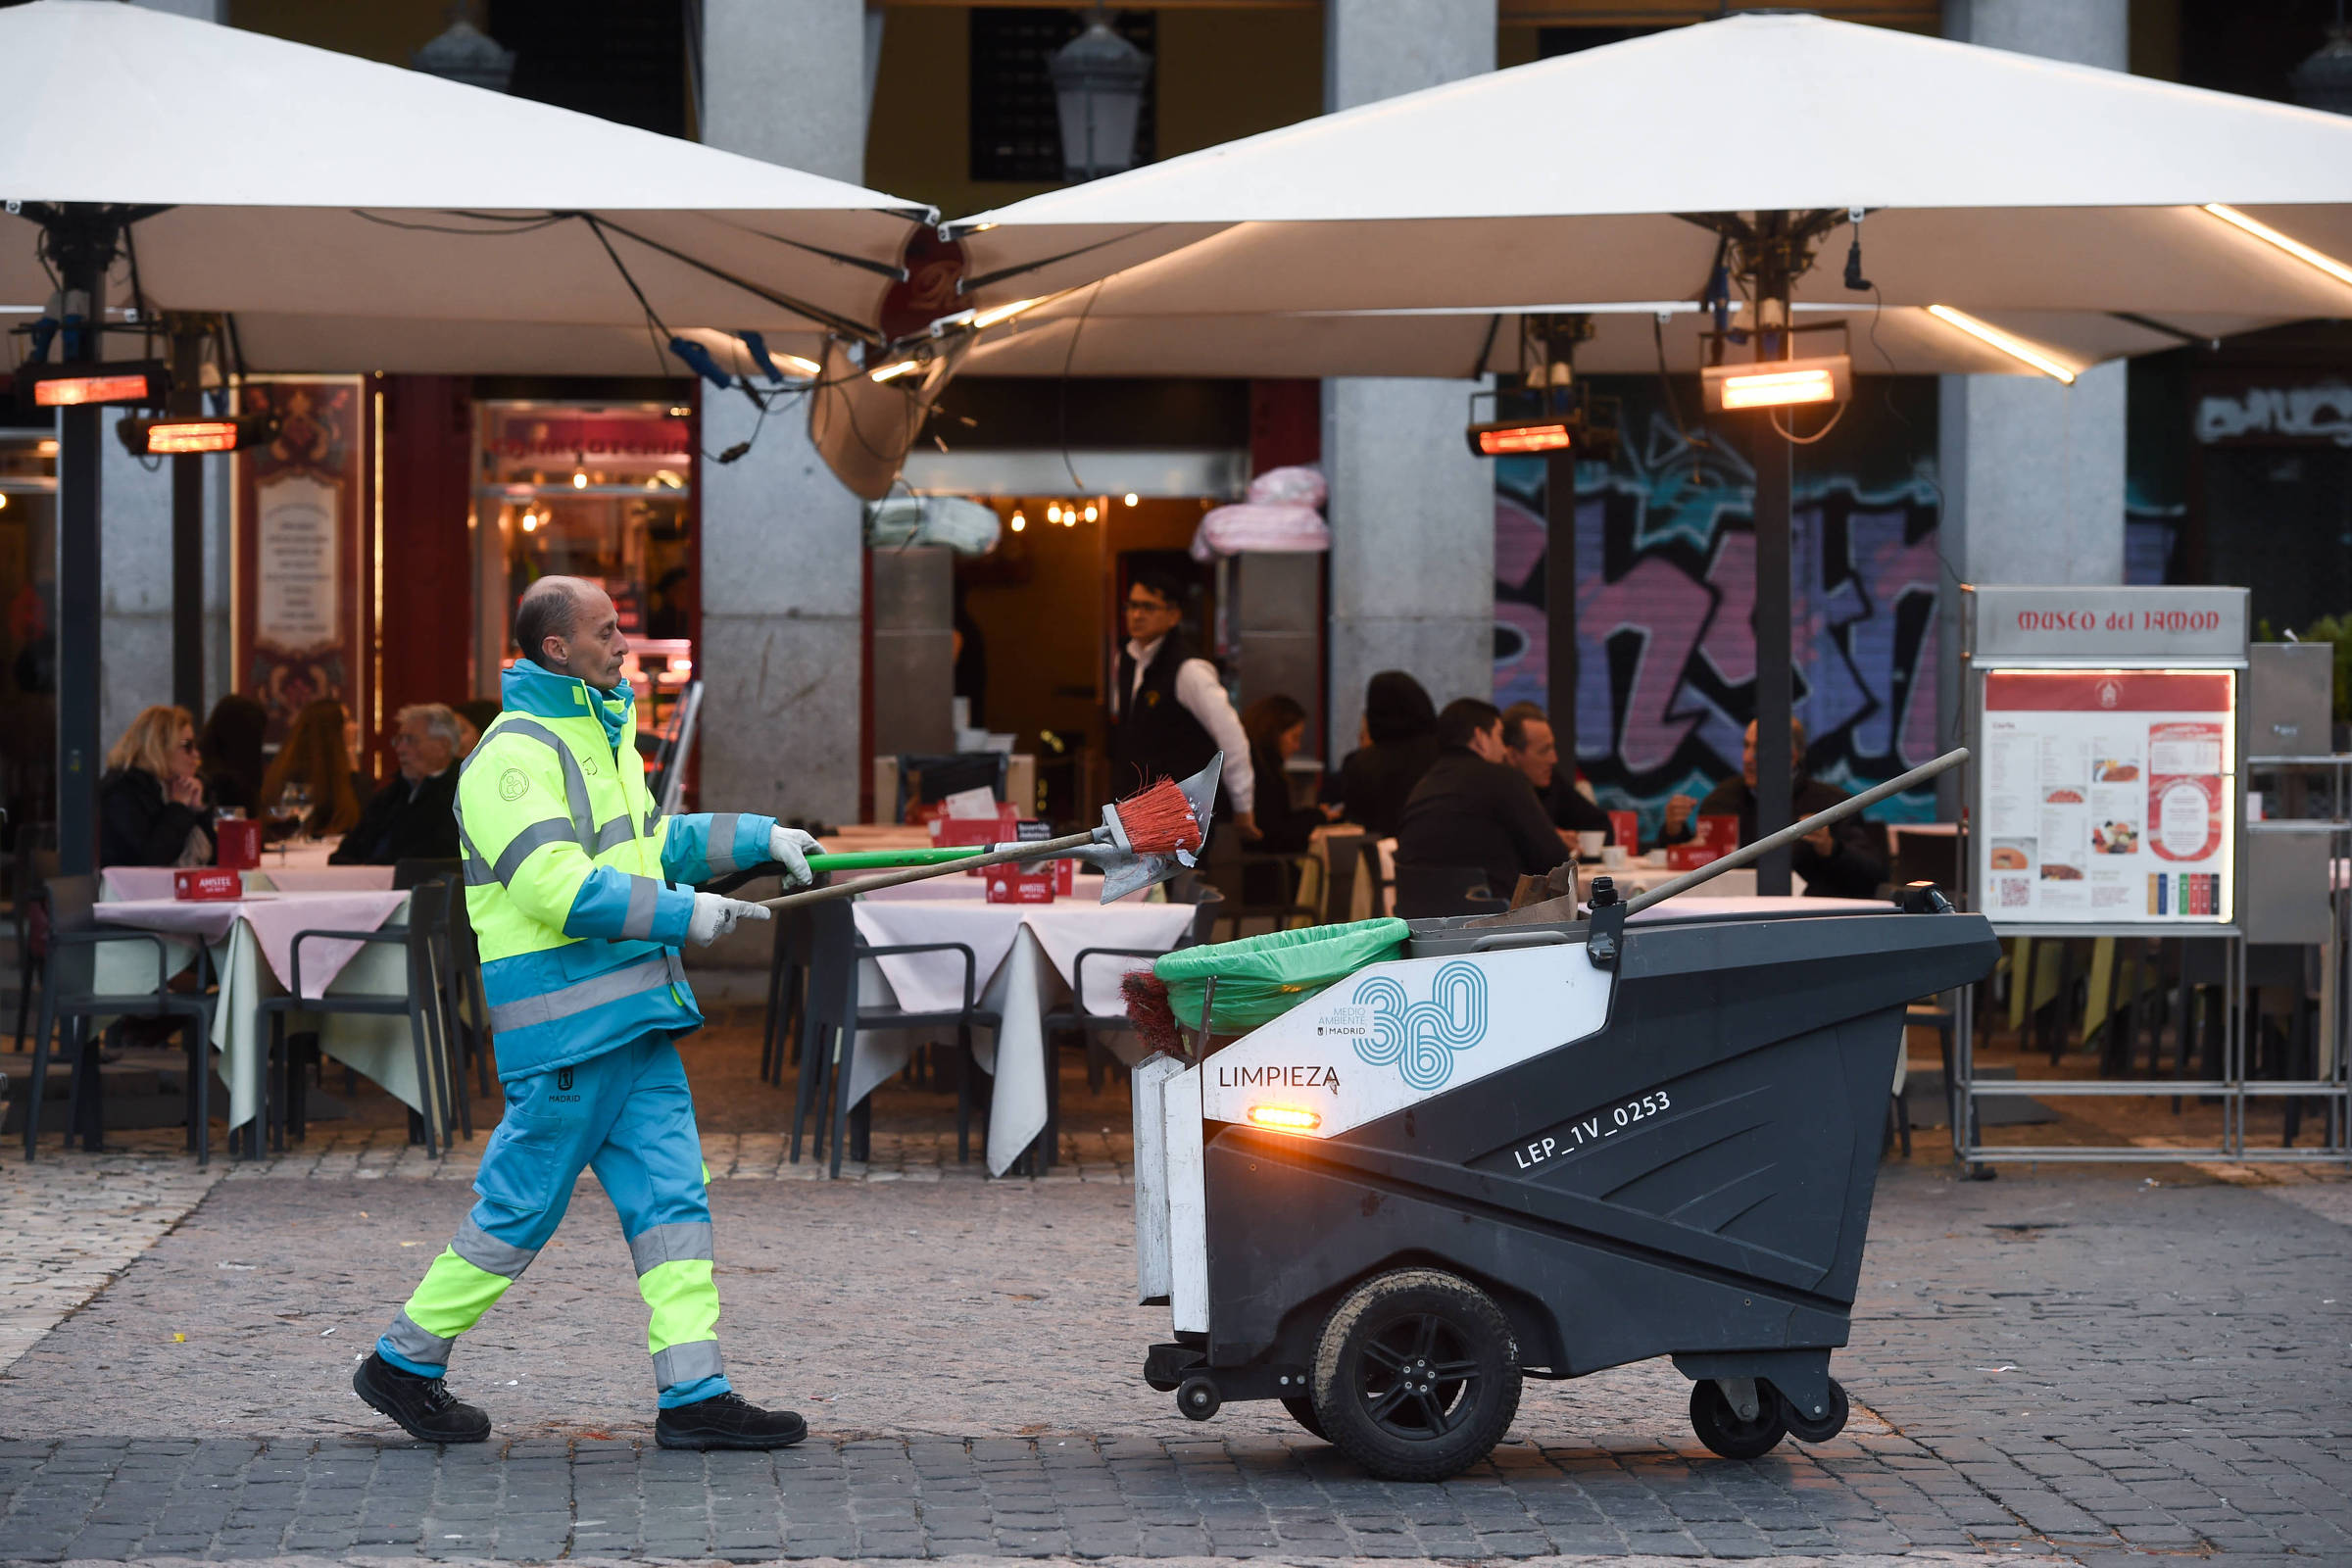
[
  {"x": 1749, "y": 854},
  {"x": 890, "y": 879}
]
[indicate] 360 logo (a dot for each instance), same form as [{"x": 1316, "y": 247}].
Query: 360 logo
[{"x": 1420, "y": 1039}]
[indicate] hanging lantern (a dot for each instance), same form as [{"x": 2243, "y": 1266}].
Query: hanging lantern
[{"x": 1098, "y": 82}]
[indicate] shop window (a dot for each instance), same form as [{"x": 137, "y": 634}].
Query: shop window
[{"x": 1015, "y": 132}]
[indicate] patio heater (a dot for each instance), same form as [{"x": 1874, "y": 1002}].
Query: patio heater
[
  {"x": 1552, "y": 415},
  {"x": 1098, "y": 80},
  {"x": 1766, "y": 254},
  {"x": 80, "y": 239}
]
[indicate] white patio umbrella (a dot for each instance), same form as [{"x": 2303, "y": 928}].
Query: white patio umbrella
[
  {"x": 294, "y": 181},
  {"x": 359, "y": 212},
  {"x": 2095, "y": 214}
]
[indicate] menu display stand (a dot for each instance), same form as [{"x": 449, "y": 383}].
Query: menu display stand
[{"x": 2105, "y": 796}]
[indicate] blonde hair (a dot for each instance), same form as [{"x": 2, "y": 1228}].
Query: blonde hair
[
  {"x": 151, "y": 739},
  {"x": 315, "y": 753}
]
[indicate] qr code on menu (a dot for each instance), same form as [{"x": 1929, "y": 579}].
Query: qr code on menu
[{"x": 2016, "y": 892}]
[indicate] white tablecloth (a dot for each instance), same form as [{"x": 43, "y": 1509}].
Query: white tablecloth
[
  {"x": 1023, "y": 957},
  {"x": 155, "y": 881},
  {"x": 241, "y": 948}
]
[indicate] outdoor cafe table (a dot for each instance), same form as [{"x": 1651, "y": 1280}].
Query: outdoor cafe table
[
  {"x": 1024, "y": 957},
  {"x": 251, "y": 942}
]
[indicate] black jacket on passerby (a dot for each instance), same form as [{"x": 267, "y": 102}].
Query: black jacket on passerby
[
  {"x": 1469, "y": 812},
  {"x": 138, "y": 825},
  {"x": 404, "y": 821},
  {"x": 1852, "y": 869}
]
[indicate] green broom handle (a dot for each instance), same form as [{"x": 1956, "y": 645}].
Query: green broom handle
[{"x": 891, "y": 860}]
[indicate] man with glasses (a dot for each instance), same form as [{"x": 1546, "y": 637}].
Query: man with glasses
[
  {"x": 414, "y": 818},
  {"x": 1169, "y": 712}
]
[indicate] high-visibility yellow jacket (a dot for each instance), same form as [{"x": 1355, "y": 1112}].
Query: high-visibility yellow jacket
[{"x": 569, "y": 868}]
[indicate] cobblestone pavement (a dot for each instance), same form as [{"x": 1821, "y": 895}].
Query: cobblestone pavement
[{"x": 2078, "y": 1365}]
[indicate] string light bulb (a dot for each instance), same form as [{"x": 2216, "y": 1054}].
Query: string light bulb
[
  {"x": 579, "y": 480},
  {"x": 1090, "y": 512},
  {"x": 1019, "y": 521},
  {"x": 1054, "y": 511},
  {"x": 1131, "y": 498}
]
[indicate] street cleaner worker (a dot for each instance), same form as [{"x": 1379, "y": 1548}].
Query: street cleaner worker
[{"x": 568, "y": 881}]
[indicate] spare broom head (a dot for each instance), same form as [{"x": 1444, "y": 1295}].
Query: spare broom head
[
  {"x": 1159, "y": 820},
  {"x": 1149, "y": 1011}
]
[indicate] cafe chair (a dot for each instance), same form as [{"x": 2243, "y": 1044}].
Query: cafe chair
[
  {"x": 468, "y": 1008},
  {"x": 1374, "y": 869},
  {"x": 70, "y": 991},
  {"x": 1278, "y": 891},
  {"x": 425, "y": 1003},
  {"x": 1424, "y": 891},
  {"x": 835, "y": 1017},
  {"x": 36, "y": 865}
]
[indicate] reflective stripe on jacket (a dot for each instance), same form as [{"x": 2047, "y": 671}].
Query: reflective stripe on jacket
[{"x": 568, "y": 873}]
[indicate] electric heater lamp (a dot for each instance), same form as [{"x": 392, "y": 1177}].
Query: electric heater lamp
[
  {"x": 1778, "y": 383},
  {"x": 138, "y": 382},
  {"x": 180, "y": 437},
  {"x": 1505, "y": 438}
]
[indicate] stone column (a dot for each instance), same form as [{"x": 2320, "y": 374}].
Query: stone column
[
  {"x": 2032, "y": 471},
  {"x": 782, "y": 600},
  {"x": 1412, "y": 513}
]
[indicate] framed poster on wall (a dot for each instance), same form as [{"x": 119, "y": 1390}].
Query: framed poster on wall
[{"x": 303, "y": 609}]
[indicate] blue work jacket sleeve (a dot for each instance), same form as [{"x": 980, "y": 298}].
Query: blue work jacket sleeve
[
  {"x": 707, "y": 844},
  {"x": 612, "y": 904}
]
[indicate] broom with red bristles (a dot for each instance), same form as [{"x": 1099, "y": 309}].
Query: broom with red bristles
[{"x": 1143, "y": 839}]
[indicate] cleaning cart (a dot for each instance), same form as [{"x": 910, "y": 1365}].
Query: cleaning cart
[{"x": 1539, "y": 1149}]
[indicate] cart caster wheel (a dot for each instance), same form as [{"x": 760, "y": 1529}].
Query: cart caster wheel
[
  {"x": 1720, "y": 1428},
  {"x": 1302, "y": 1411},
  {"x": 1833, "y": 1421},
  {"x": 1198, "y": 1398},
  {"x": 1416, "y": 1375}
]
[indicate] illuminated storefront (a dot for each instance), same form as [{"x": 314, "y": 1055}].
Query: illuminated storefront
[{"x": 597, "y": 490}]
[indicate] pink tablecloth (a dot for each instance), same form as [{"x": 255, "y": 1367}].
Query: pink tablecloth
[
  {"x": 155, "y": 881},
  {"x": 276, "y": 918}
]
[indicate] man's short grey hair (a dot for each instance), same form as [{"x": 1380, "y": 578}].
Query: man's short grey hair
[
  {"x": 440, "y": 723},
  {"x": 550, "y": 607}
]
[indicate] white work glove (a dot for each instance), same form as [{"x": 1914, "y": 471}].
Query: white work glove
[
  {"x": 714, "y": 916},
  {"x": 790, "y": 847}
]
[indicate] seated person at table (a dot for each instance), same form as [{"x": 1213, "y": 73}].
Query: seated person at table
[
  {"x": 1277, "y": 729},
  {"x": 1400, "y": 743},
  {"x": 317, "y": 758},
  {"x": 1528, "y": 746},
  {"x": 1836, "y": 862},
  {"x": 230, "y": 746},
  {"x": 414, "y": 818},
  {"x": 1474, "y": 809},
  {"x": 151, "y": 807}
]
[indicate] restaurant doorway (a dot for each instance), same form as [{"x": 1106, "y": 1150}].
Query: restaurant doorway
[
  {"x": 1039, "y": 625},
  {"x": 28, "y": 650},
  {"x": 601, "y": 490}
]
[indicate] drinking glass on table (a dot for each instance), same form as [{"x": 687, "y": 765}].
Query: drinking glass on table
[{"x": 294, "y": 801}]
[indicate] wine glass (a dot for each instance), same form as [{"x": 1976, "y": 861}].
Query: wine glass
[{"x": 294, "y": 801}]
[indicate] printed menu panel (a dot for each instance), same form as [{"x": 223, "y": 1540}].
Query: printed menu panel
[{"x": 2105, "y": 796}]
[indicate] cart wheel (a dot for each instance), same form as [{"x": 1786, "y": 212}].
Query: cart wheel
[
  {"x": 1302, "y": 1411},
  {"x": 1198, "y": 1398},
  {"x": 1416, "y": 1375},
  {"x": 1807, "y": 1430},
  {"x": 1720, "y": 1428}
]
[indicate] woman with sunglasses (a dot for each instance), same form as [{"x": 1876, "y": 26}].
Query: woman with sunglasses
[{"x": 151, "y": 805}]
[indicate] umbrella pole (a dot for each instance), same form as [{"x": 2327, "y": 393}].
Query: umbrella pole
[
  {"x": 1775, "y": 684},
  {"x": 1559, "y": 608},
  {"x": 83, "y": 246}
]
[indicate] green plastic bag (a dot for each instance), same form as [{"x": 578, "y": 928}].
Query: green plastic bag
[{"x": 1260, "y": 978}]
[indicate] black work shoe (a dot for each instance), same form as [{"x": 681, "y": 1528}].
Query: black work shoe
[
  {"x": 424, "y": 1406},
  {"x": 727, "y": 1421}
]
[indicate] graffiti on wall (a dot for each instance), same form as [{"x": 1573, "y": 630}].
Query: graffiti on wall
[{"x": 1666, "y": 592}]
